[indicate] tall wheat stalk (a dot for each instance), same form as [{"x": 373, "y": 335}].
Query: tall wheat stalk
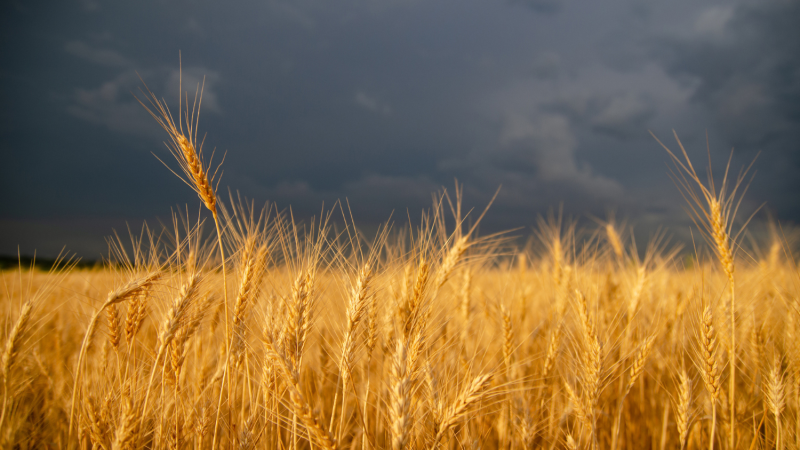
[
  {"x": 714, "y": 212},
  {"x": 189, "y": 153}
]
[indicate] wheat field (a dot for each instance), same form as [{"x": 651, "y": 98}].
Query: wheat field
[{"x": 244, "y": 328}]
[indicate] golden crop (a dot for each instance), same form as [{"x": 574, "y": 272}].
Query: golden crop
[{"x": 278, "y": 335}]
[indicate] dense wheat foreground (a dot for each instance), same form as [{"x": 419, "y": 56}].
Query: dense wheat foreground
[{"x": 270, "y": 333}]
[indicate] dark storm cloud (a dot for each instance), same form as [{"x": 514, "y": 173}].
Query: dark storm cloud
[
  {"x": 745, "y": 65},
  {"x": 383, "y": 103}
]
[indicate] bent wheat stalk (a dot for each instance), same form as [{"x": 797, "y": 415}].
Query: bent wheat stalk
[
  {"x": 299, "y": 404},
  {"x": 133, "y": 287},
  {"x": 175, "y": 318}
]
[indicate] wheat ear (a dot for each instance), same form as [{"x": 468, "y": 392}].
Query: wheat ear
[
  {"x": 413, "y": 321},
  {"x": 12, "y": 349},
  {"x": 552, "y": 349},
  {"x": 118, "y": 295},
  {"x": 614, "y": 240},
  {"x": 172, "y": 322},
  {"x": 508, "y": 338},
  {"x": 356, "y": 309},
  {"x": 299, "y": 405},
  {"x": 298, "y": 319},
  {"x": 636, "y": 371},
  {"x": 114, "y": 327},
  {"x": 372, "y": 339},
  {"x": 775, "y": 394},
  {"x": 253, "y": 262},
  {"x": 571, "y": 445},
  {"x": 128, "y": 428},
  {"x": 709, "y": 365},
  {"x": 683, "y": 407},
  {"x": 639, "y": 362},
  {"x": 190, "y": 158},
  {"x": 355, "y": 312},
  {"x": 716, "y": 211},
  {"x": 451, "y": 259},
  {"x": 473, "y": 393},
  {"x": 592, "y": 363},
  {"x": 400, "y": 414},
  {"x": 578, "y": 405}
]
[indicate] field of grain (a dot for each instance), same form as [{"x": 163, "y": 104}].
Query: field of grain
[{"x": 250, "y": 329}]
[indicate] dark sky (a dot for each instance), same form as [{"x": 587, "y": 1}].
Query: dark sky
[{"x": 385, "y": 101}]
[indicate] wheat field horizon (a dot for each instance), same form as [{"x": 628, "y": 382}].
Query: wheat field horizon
[{"x": 238, "y": 326}]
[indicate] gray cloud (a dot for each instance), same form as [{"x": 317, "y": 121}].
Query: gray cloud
[
  {"x": 624, "y": 115},
  {"x": 549, "y": 146},
  {"x": 112, "y": 104},
  {"x": 102, "y": 57},
  {"x": 90, "y": 5},
  {"x": 713, "y": 22},
  {"x": 546, "y": 66},
  {"x": 542, "y": 6},
  {"x": 372, "y": 104}
]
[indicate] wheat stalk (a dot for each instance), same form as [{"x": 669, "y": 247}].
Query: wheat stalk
[
  {"x": 298, "y": 402},
  {"x": 355, "y": 312},
  {"x": 185, "y": 149},
  {"x": 508, "y": 337},
  {"x": 552, "y": 349},
  {"x": 716, "y": 211},
  {"x": 457, "y": 411},
  {"x": 683, "y": 407},
  {"x": 114, "y": 326},
  {"x": 174, "y": 319},
  {"x": 253, "y": 262},
  {"x": 400, "y": 414},
  {"x": 776, "y": 397},
  {"x": 639, "y": 362},
  {"x": 133, "y": 287},
  {"x": 451, "y": 259},
  {"x": 356, "y": 309},
  {"x": 614, "y": 240},
  {"x": 128, "y": 430},
  {"x": 11, "y": 350},
  {"x": 636, "y": 371},
  {"x": 709, "y": 365}
]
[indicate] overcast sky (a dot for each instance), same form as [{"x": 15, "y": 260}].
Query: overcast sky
[{"x": 385, "y": 101}]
